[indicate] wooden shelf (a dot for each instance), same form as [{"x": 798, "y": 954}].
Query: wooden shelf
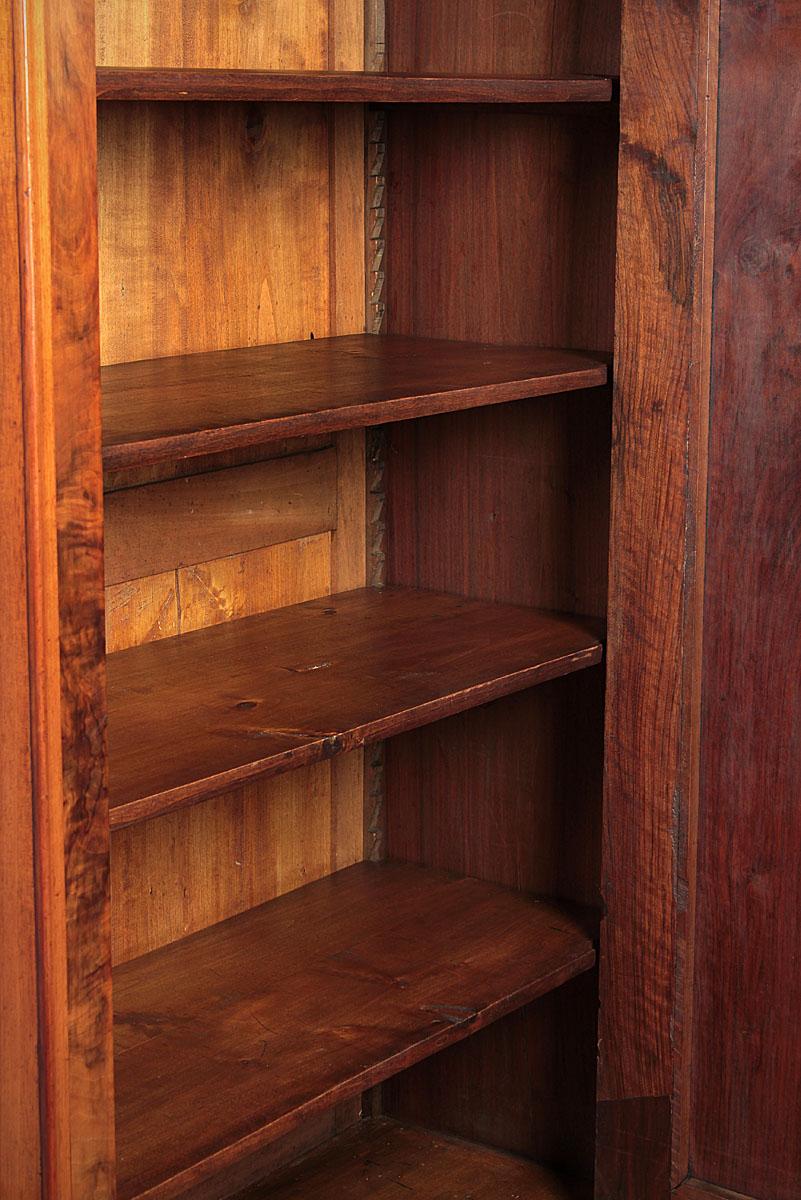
[
  {"x": 227, "y": 1040},
  {"x": 383, "y": 1160},
  {"x": 168, "y": 408},
  {"x": 192, "y": 716},
  {"x": 346, "y": 87}
]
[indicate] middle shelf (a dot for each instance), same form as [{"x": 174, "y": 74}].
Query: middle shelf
[
  {"x": 229, "y": 1039},
  {"x": 161, "y": 409},
  {"x": 191, "y": 716}
]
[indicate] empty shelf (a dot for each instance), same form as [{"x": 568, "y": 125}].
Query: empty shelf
[
  {"x": 167, "y": 408},
  {"x": 192, "y": 716},
  {"x": 347, "y": 87},
  {"x": 229, "y": 1038}
]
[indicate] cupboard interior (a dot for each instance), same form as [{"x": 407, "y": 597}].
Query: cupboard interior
[{"x": 229, "y": 225}]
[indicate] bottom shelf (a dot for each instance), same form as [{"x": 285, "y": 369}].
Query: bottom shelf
[
  {"x": 229, "y": 1039},
  {"x": 383, "y": 1160}
]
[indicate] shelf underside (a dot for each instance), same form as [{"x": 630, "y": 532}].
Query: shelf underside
[
  {"x": 227, "y": 1040},
  {"x": 348, "y": 87},
  {"x": 163, "y": 409},
  {"x": 191, "y": 716},
  {"x": 384, "y": 1160}
]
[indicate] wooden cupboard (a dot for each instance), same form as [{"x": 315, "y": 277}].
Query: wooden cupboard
[{"x": 400, "y": 546}]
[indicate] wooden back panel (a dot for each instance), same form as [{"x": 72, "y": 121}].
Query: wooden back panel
[
  {"x": 501, "y": 227},
  {"x": 222, "y": 226}
]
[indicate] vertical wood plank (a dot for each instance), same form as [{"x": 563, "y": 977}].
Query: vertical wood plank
[
  {"x": 660, "y": 409},
  {"x": 20, "y": 1143},
  {"x": 53, "y": 50},
  {"x": 746, "y": 1120}
]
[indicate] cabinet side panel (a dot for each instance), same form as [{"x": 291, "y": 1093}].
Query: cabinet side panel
[
  {"x": 20, "y": 1152},
  {"x": 747, "y": 1052},
  {"x": 54, "y": 72},
  {"x": 656, "y": 570}
]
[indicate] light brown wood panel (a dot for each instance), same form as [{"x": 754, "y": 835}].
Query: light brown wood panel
[
  {"x": 204, "y": 517},
  {"x": 185, "y": 871},
  {"x": 198, "y": 867},
  {"x": 214, "y": 226},
  {"x": 141, "y": 610},
  {"x": 271, "y": 34},
  {"x": 245, "y": 584}
]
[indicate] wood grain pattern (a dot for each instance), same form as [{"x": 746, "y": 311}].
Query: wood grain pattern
[
  {"x": 142, "y": 610},
  {"x": 188, "y": 870},
  {"x": 285, "y": 34},
  {"x": 345, "y": 87},
  {"x": 242, "y": 260},
  {"x": 660, "y": 410},
  {"x": 192, "y": 716},
  {"x": 243, "y": 585},
  {"x": 507, "y": 504},
  {"x": 526, "y": 1084},
  {"x": 696, "y": 1189},
  {"x": 166, "y": 408},
  {"x": 454, "y": 183},
  {"x": 746, "y": 1122},
  {"x": 296, "y": 975},
  {"x": 204, "y": 517},
  {"x": 20, "y": 1133},
  {"x": 379, "y": 1159},
  {"x": 494, "y": 37},
  {"x": 55, "y": 140}
]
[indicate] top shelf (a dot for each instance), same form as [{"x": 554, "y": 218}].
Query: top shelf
[{"x": 345, "y": 87}]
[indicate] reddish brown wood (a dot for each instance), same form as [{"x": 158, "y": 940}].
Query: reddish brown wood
[
  {"x": 192, "y": 716},
  {"x": 525, "y": 1084},
  {"x": 529, "y": 36},
  {"x": 746, "y": 1126},
  {"x": 48, "y": 68},
  {"x": 381, "y": 1159},
  {"x": 659, "y": 416},
  {"x": 20, "y": 1134},
  {"x": 228, "y": 1039},
  {"x": 696, "y": 1189},
  {"x": 169, "y": 408},
  {"x": 346, "y": 87}
]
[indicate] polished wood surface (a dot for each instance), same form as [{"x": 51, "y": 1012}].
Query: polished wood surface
[
  {"x": 171, "y": 407},
  {"x": 656, "y": 576},
  {"x": 344, "y": 87},
  {"x": 229, "y": 1038},
  {"x": 517, "y": 212},
  {"x": 214, "y": 515},
  {"x": 192, "y": 716},
  {"x": 381, "y": 1159},
  {"x": 495, "y": 37},
  {"x": 746, "y": 1121},
  {"x": 20, "y": 1130},
  {"x": 50, "y": 53}
]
